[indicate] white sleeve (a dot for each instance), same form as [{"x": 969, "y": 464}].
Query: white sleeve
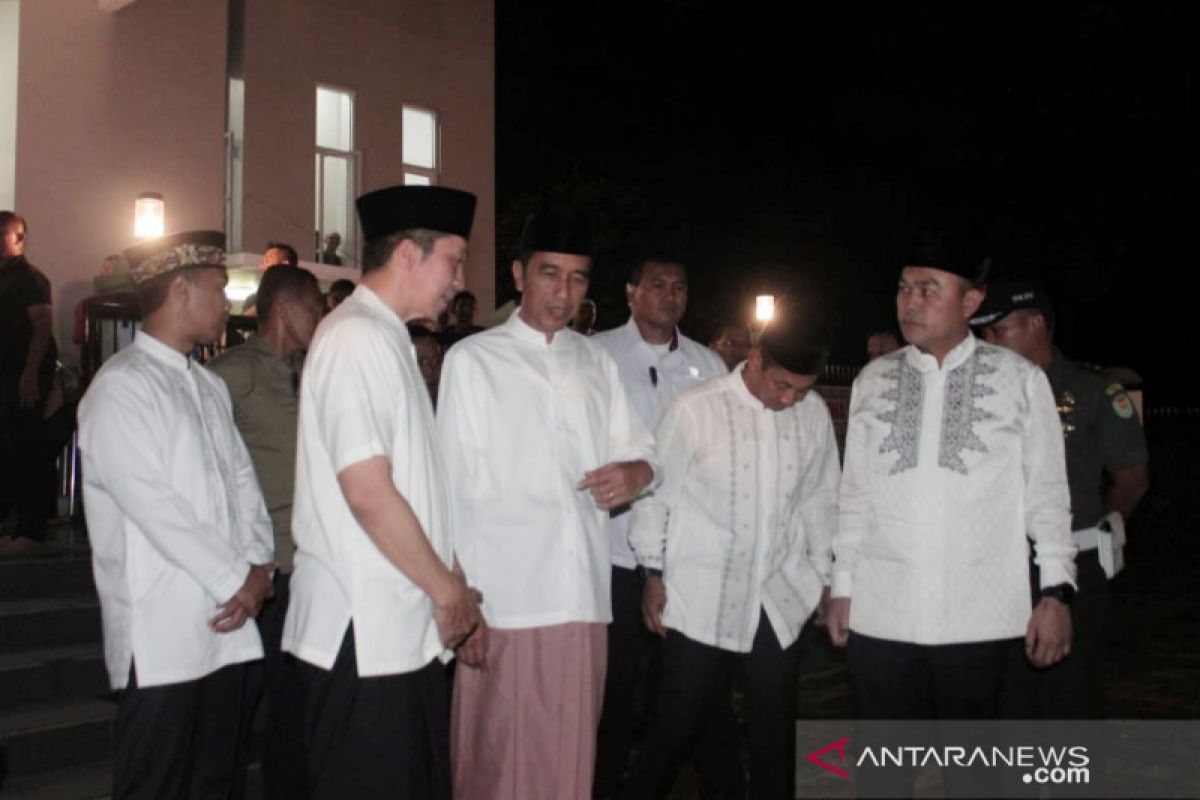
[
  {"x": 628, "y": 437},
  {"x": 1047, "y": 496},
  {"x": 819, "y": 493},
  {"x": 853, "y": 498},
  {"x": 651, "y": 514}
]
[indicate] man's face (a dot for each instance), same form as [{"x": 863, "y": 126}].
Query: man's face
[
  {"x": 585, "y": 317},
  {"x": 13, "y": 243},
  {"x": 933, "y": 307},
  {"x": 464, "y": 310},
  {"x": 552, "y": 285},
  {"x": 778, "y": 389},
  {"x": 429, "y": 359},
  {"x": 273, "y": 257},
  {"x": 205, "y": 307},
  {"x": 437, "y": 277},
  {"x": 303, "y": 312},
  {"x": 732, "y": 345},
  {"x": 660, "y": 297},
  {"x": 1017, "y": 331}
]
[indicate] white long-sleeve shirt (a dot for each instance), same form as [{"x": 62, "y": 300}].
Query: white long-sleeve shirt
[
  {"x": 653, "y": 376},
  {"x": 362, "y": 397},
  {"x": 174, "y": 514},
  {"x": 745, "y": 514},
  {"x": 946, "y": 471},
  {"x": 520, "y": 421}
]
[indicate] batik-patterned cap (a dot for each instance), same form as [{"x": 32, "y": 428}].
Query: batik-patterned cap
[{"x": 175, "y": 251}]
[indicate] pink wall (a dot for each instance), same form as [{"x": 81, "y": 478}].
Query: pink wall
[
  {"x": 112, "y": 104},
  {"x": 437, "y": 54}
]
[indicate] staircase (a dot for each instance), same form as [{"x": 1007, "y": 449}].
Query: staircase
[{"x": 56, "y": 710}]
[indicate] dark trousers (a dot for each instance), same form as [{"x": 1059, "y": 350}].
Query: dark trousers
[
  {"x": 1074, "y": 687},
  {"x": 634, "y": 673},
  {"x": 178, "y": 740},
  {"x": 903, "y": 681},
  {"x": 376, "y": 737},
  {"x": 277, "y": 679},
  {"x": 695, "y": 674},
  {"x": 27, "y": 478}
]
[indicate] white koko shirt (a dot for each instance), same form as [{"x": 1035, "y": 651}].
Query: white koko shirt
[
  {"x": 521, "y": 420},
  {"x": 744, "y": 517},
  {"x": 362, "y": 396},
  {"x": 947, "y": 470},
  {"x": 674, "y": 372},
  {"x": 174, "y": 514}
]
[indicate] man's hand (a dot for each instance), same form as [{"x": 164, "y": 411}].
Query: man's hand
[
  {"x": 654, "y": 600},
  {"x": 616, "y": 484},
  {"x": 456, "y": 610},
  {"x": 837, "y": 619},
  {"x": 27, "y": 390},
  {"x": 822, "y": 614},
  {"x": 473, "y": 651},
  {"x": 1048, "y": 637},
  {"x": 247, "y": 602}
]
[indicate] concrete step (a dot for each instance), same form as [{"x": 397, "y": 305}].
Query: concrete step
[
  {"x": 55, "y": 673},
  {"x": 45, "y": 622},
  {"x": 55, "y": 736},
  {"x": 64, "y": 572}
]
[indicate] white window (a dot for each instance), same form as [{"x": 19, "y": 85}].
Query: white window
[
  {"x": 336, "y": 237},
  {"x": 420, "y": 136}
]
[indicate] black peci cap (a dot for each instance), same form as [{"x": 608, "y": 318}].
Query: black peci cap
[
  {"x": 566, "y": 231},
  {"x": 404, "y": 208}
]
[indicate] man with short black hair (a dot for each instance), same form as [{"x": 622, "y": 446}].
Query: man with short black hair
[
  {"x": 736, "y": 544},
  {"x": 953, "y": 455},
  {"x": 278, "y": 253},
  {"x": 428, "y": 347},
  {"x": 263, "y": 378},
  {"x": 27, "y": 361},
  {"x": 377, "y": 602},
  {"x": 543, "y": 442},
  {"x": 880, "y": 343},
  {"x": 656, "y": 363},
  {"x": 732, "y": 342},
  {"x": 1108, "y": 475},
  {"x": 181, "y": 541}
]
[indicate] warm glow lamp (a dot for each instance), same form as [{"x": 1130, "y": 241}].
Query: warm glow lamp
[
  {"x": 148, "y": 216},
  {"x": 764, "y": 308}
]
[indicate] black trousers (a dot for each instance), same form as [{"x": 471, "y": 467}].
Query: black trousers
[
  {"x": 633, "y": 677},
  {"x": 1074, "y": 687},
  {"x": 27, "y": 479},
  {"x": 693, "y": 675},
  {"x": 178, "y": 740},
  {"x": 277, "y": 680},
  {"x": 903, "y": 681},
  {"x": 376, "y": 737}
]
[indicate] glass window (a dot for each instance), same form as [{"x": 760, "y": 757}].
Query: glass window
[{"x": 420, "y": 135}]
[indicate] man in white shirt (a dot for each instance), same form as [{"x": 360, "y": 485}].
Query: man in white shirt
[
  {"x": 542, "y": 442},
  {"x": 181, "y": 541},
  {"x": 954, "y": 452},
  {"x": 375, "y": 599},
  {"x": 736, "y": 541},
  {"x": 656, "y": 363}
]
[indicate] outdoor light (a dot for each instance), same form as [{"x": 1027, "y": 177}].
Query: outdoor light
[
  {"x": 764, "y": 307},
  {"x": 148, "y": 217}
]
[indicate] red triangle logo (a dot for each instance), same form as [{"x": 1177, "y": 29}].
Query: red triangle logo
[{"x": 839, "y": 746}]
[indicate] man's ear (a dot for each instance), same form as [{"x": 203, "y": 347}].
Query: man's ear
[
  {"x": 518, "y": 270},
  {"x": 630, "y": 289},
  {"x": 972, "y": 300}
]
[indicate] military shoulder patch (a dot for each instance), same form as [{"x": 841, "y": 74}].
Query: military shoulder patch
[{"x": 1122, "y": 405}]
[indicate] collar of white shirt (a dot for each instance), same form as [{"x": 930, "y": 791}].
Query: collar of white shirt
[
  {"x": 162, "y": 352},
  {"x": 522, "y": 331},
  {"x": 924, "y": 362}
]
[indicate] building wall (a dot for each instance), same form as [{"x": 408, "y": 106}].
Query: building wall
[
  {"x": 437, "y": 54},
  {"x": 113, "y": 104},
  {"x": 110, "y": 105}
]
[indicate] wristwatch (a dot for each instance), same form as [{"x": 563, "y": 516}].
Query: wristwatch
[
  {"x": 649, "y": 572},
  {"x": 1063, "y": 592}
]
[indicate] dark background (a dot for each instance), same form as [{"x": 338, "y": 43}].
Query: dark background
[{"x": 794, "y": 150}]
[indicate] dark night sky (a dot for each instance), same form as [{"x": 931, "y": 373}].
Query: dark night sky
[{"x": 795, "y": 149}]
